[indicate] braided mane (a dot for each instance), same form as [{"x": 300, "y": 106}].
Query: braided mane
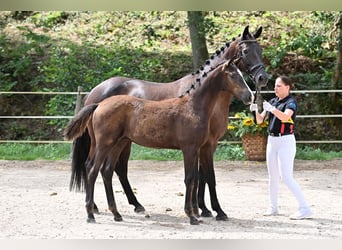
[{"x": 207, "y": 67}]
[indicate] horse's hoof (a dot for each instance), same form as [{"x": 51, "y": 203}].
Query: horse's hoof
[
  {"x": 91, "y": 220},
  {"x": 194, "y": 221},
  {"x": 206, "y": 213},
  {"x": 117, "y": 218},
  {"x": 139, "y": 209},
  {"x": 222, "y": 217},
  {"x": 96, "y": 209}
]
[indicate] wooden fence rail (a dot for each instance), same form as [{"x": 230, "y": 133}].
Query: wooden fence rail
[{"x": 79, "y": 94}]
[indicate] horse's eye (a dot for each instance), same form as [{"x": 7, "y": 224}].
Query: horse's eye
[{"x": 245, "y": 51}]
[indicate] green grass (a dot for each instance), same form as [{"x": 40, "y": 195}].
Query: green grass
[
  {"x": 309, "y": 153},
  {"x": 26, "y": 151}
]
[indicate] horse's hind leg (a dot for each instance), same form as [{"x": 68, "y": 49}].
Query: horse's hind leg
[{"x": 121, "y": 171}]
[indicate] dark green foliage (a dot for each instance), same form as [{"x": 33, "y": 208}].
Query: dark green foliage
[{"x": 59, "y": 51}]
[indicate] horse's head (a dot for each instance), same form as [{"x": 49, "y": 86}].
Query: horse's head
[
  {"x": 249, "y": 56},
  {"x": 235, "y": 83}
]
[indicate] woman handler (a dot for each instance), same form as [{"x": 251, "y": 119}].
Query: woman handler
[{"x": 281, "y": 146}]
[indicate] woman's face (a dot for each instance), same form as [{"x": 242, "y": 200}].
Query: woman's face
[{"x": 281, "y": 90}]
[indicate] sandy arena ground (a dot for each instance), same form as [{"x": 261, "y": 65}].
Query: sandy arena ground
[{"x": 37, "y": 204}]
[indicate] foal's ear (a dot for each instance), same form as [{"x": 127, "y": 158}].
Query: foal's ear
[
  {"x": 258, "y": 33},
  {"x": 226, "y": 64}
]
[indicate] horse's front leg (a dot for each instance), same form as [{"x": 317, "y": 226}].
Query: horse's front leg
[
  {"x": 207, "y": 175},
  {"x": 201, "y": 187},
  {"x": 191, "y": 184}
]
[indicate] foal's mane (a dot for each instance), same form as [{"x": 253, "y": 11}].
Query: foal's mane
[{"x": 201, "y": 78}]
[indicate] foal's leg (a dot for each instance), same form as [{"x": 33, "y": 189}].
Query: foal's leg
[
  {"x": 207, "y": 175},
  {"x": 107, "y": 176},
  {"x": 121, "y": 171},
  {"x": 92, "y": 172},
  {"x": 191, "y": 179}
]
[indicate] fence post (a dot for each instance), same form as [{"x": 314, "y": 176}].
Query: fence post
[{"x": 78, "y": 99}]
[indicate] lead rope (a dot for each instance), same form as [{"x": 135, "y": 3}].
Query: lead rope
[{"x": 258, "y": 97}]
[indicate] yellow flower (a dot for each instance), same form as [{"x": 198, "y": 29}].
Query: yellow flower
[
  {"x": 264, "y": 124},
  {"x": 231, "y": 127},
  {"x": 248, "y": 122},
  {"x": 244, "y": 124}
]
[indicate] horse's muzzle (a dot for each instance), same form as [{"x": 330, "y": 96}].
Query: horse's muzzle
[{"x": 261, "y": 79}]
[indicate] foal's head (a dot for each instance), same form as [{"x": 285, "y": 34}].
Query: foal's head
[{"x": 235, "y": 83}]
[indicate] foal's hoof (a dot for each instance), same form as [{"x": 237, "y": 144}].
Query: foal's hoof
[
  {"x": 118, "y": 218},
  {"x": 91, "y": 218},
  {"x": 194, "y": 221},
  {"x": 222, "y": 217},
  {"x": 139, "y": 209}
]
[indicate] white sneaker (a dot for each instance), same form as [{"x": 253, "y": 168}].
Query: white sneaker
[
  {"x": 301, "y": 214},
  {"x": 271, "y": 212}
]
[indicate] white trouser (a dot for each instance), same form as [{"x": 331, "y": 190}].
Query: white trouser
[{"x": 280, "y": 156}]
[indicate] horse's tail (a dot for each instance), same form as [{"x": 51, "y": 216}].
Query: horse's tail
[
  {"x": 80, "y": 152},
  {"x": 77, "y": 130},
  {"x": 78, "y": 124}
]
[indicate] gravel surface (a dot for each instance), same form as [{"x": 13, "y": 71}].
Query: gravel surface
[{"x": 36, "y": 203}]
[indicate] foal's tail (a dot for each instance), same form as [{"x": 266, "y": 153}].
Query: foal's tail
[
  {"x": 80, "y": 152},
  {"x": 78, "y": 124},
  {"x": 77, "y": 130}
]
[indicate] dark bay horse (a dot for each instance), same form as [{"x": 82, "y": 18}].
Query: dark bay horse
[
  {"x": 245, "y": 48},
  {"x": 179, "y": 123}
]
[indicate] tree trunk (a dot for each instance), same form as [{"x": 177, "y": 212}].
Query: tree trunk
[
  {"x": 197, "y": 36},
  {"x": 337, "y": 75},
  {"x": 336, "y": 83}
]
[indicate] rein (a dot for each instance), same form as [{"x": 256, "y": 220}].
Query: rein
[{"x": 257, "y": 94}]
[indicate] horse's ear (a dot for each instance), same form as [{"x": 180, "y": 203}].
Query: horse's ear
[
  {"x": 245, "y": 33},
  {"x": 257, "y": 34}
]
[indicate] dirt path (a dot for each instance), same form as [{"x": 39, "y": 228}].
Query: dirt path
[{"x": 36, "y": 203}]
